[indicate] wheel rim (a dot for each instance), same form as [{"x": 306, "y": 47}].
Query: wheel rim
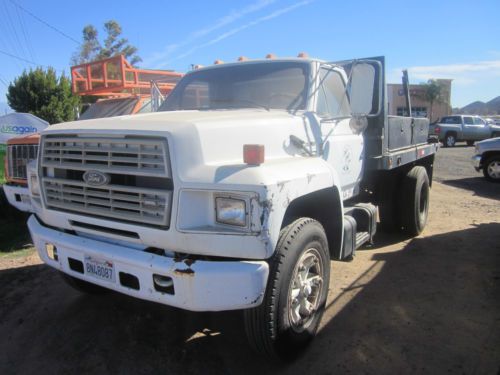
[
  {"x": 305, "y": 290},
  {"x": 494, "y": 169},
  {"x": 450, "y": 140}
]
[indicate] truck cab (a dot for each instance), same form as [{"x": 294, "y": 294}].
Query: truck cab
[{"x": 236, "y": 194}]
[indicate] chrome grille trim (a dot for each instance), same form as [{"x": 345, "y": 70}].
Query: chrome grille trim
[
  {"x": 137, "y": 156},
  {"x": 18, "y": 157},
  {"x": 64, "y": 158}
]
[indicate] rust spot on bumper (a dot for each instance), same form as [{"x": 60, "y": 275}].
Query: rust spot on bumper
[{"x": 183, "y": 272}]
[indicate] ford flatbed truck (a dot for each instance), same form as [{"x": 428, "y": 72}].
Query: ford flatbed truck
[{"x": 237, "y": 194}]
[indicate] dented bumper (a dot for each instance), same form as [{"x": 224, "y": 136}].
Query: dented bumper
[{"x": 197, "y": 286}]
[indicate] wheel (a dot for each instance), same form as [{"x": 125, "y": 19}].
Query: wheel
[
  {"x": 450, "y": 140},
  {"x": 414, "y": 201},
  {"x": 289, "y": 316},
  {"x": 491, "y": 168},
  {"x": 496, "y": 134},
  {"x": 83, "y": 286},
  {"x": 470, "y": 143}
]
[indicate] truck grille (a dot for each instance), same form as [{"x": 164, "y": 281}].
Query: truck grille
[
  {"x": 18, "y": 157},
  {"x": 145, "y": 157},
  {"x": 138, "y": 188}
]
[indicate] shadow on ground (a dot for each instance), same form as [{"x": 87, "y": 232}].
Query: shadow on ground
[
  {"x": 433, "y": 307},
  {"x": 478, "y": 185}
]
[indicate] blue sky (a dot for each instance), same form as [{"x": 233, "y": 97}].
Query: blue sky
[{"x": 434, "y": 39}]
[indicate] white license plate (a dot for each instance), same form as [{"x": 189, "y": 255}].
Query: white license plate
[{"x": 100, "y": 269}]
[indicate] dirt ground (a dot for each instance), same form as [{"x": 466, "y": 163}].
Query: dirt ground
[{"x": 425, "y": 305}]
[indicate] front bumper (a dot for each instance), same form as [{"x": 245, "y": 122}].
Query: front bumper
[
  {"x": 198, "y": 286},
  {"x": 476, "y": 162},
  {"x": 19, "y": 197}
]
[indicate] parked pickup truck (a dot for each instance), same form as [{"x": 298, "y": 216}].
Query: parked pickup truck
[
  {"x": 236, "y": 194},
  {"x": 487, "y": 158},
  {"x": 451, "y": 129}
]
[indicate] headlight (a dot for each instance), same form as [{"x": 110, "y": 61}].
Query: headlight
[
  {"x": 231, "y": 211},
  {"x": 34, "y": 185}
]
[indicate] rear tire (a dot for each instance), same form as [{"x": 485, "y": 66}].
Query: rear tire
[
  {"x": 289, "y": 316},
  {"x": 491, "y": 168},
  {"x": 450, "y": 140},
  {"x": 414, "y": 201},
  {"x": 83, "y": 286}
]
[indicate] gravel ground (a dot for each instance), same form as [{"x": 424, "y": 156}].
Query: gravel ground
[{"x": 425, "y": 305}]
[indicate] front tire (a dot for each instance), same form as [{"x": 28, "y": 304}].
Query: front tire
[
  {"x": 289, "y": 316},
  {"x": 470, "y": 143},
  {"x": 491, "y": 169}
]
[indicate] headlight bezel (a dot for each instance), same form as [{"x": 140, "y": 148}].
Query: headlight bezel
[
  {"x": 34, "y": 185},
  {"x": 233, "y": 219}
]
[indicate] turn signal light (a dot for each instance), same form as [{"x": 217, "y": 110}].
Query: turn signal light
[{"x": 253, "y": 154}]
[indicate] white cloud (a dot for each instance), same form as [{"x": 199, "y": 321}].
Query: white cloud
[
  {"x": 238, "y": 29},
  {"x": 228, "y": 19},
  {"x": 462, "y": 74}
]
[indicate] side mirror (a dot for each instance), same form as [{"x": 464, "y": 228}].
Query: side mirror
[{"x": 365, "y": 88}]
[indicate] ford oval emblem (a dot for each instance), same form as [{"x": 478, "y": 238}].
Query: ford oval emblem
[{"x": 96, "y": 178}]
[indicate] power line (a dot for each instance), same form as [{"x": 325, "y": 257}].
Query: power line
[
  {"x": 18, "y": 58},
  {"x": 7, "y": 34},
  {"x": 45, "y": 23},
  {"x": 25, "y": 34},
  {"x": 17, "y": 43},
  {"x": 31, "y": 62}
]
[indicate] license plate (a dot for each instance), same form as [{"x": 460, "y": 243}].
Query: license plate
[{"x": 100, "y": 269}]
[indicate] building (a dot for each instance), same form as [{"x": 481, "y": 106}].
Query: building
[{"x": 419, "y": 106}]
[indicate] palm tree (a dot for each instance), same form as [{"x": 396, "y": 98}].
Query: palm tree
[{"x": 433, "y": 93}]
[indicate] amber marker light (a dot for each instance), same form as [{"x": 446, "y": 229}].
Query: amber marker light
[{"x": 253, "y": 154}]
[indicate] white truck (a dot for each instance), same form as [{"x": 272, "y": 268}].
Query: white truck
[{"x": 236, "y": 194}]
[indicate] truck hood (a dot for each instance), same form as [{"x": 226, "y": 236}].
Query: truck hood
[{"x": 199, "y": 139}]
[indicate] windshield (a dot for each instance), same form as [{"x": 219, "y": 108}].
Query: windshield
[
  {"x": 276, "y": 85},
  {"x": 110, "y": 108}
]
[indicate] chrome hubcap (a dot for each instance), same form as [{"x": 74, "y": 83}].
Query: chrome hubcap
[
  {"x": 450, "y": 141},
  {"x": 494, "y": 169},
  {"x": 305, "y": 289}
]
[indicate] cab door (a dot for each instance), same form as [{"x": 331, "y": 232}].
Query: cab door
[
  {"x": 343, "y": 148},
  {"x": 469, "y": 129},
  {"x": 482, "y": 129}
]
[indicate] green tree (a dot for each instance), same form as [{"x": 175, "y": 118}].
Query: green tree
[
  {"x": 114, "y": 44},
  {"x": 42, "y": 93},
  {"x": 433, "y": 93}
]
